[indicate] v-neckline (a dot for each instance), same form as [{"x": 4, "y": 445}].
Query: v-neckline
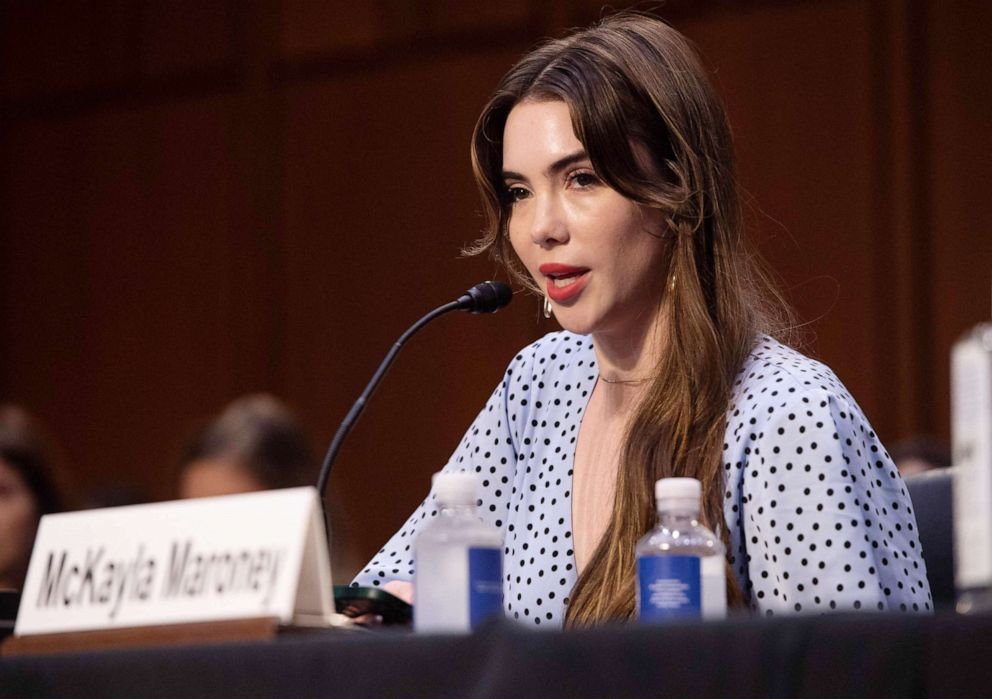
[{"x": 590, "y": 382}]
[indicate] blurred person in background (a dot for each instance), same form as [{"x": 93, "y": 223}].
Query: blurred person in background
[
  {"x": 257, "y": 443},
  {"x": 28, "y": 490},
  {"x": 919, "y": 454}
]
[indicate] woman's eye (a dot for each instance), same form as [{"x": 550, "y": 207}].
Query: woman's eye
[
  {"x": 584, "y": 179},
  {"x": 515, "y": 194}
]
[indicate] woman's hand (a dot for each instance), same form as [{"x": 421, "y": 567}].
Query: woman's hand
[
  {"x": 397, "y": 588},
  {"x": 401, "y": 589}
]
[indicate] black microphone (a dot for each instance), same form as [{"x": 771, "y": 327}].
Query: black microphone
[{"x": 487, "y": 297}]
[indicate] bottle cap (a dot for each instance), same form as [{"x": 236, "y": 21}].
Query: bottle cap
[
  {"x": 454, "y": 488},
  {"x": 678, "y": 493}
]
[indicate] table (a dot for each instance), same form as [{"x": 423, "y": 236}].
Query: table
[{"x": 870, "y": 655}]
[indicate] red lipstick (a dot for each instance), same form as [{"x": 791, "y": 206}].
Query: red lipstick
[{"x": 563, "y": 281}]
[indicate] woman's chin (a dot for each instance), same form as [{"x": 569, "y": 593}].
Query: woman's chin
[{"x": 571, "y": 323}]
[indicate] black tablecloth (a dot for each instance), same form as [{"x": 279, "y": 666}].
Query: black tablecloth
[{"x": 870, "y": 655}]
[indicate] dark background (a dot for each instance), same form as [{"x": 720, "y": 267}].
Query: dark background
[{"x": 202, "y": 199}]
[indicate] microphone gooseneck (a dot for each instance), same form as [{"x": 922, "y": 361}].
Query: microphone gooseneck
[{"x": 487, "y": 297}]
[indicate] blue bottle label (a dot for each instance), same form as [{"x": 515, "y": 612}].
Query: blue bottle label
[
  {"x": 485, "y": 585},
  {"x": 669, "y": 587}
]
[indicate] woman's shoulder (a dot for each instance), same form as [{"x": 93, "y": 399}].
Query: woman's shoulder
[
  {"x": 548, "y": 378},
  {"x": 776, "y": 374},
  {"x": 555, "y": 352},
  {"x": 789, "y": 408},
  {"x": 779, "y": 388}
]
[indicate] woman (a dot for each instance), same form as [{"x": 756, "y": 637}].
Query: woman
[
  {"x": 255, "y": 444},
  {"x": 27, "y": 491},
  {"x": 606, "y": 166}
]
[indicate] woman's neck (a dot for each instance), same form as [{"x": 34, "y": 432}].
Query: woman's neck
[{"x": 627, "y": 360}]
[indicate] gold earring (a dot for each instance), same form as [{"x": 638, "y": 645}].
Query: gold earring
[
  {"x": 671, "y": 283},
  {"x": 547, "y": 307}
]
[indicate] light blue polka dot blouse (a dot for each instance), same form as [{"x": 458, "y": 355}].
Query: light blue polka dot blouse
[{"x": 818, "y": 517}]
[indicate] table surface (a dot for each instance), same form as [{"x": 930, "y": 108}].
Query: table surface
[{"x": 870, "y": 655}]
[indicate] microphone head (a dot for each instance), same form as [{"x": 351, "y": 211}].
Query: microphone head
[{"x": 487, "y": 297}]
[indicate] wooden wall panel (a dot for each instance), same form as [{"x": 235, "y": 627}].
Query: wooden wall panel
[
  {"x": 312, "y": 28},
  {"x": 51, "y": 48},
  {"x": 960, "y": 139},
  {"x": 117, "y": 254},
  {"x": 176, "y": 38}
]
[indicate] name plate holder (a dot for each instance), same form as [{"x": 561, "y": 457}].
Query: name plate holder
[{"x": 232, "y": 568}]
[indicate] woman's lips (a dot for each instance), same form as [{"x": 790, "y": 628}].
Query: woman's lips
[{"x": 563, "y": 281}]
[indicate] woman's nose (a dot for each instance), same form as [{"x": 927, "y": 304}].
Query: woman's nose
[{"x": 548, "y": 227}]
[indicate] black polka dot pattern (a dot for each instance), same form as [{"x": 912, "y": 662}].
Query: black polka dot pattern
[{"x": 817, "y": 515}]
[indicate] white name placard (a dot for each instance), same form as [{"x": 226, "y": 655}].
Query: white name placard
[{"x": 233, "y": 557}]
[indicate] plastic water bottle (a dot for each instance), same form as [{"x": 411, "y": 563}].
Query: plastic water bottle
[
  {"x": 458, "y": 573},
  {"x": 971, "y": 436},
  {"x": 680, "y": 563}
]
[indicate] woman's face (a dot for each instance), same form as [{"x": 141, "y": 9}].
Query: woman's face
[
  {"x": 18, "y": 524},
  {"x": 597, "y": 255},
  {"x": 210, "y": 477}
]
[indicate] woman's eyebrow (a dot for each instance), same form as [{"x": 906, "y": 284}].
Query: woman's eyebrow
[{"x": 554, "y": 168}]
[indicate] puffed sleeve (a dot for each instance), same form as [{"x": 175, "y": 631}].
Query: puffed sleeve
[
  {"x": 489, "y": 449},
  {"x": 826, "y": 521}
]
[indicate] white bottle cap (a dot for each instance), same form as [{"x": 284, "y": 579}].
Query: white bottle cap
[
  {"x": 678, "y": 493},
  {"x": 454, "y": 488}
]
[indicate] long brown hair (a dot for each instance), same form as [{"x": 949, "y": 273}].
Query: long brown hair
[{"x": 635, "y": 85}]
